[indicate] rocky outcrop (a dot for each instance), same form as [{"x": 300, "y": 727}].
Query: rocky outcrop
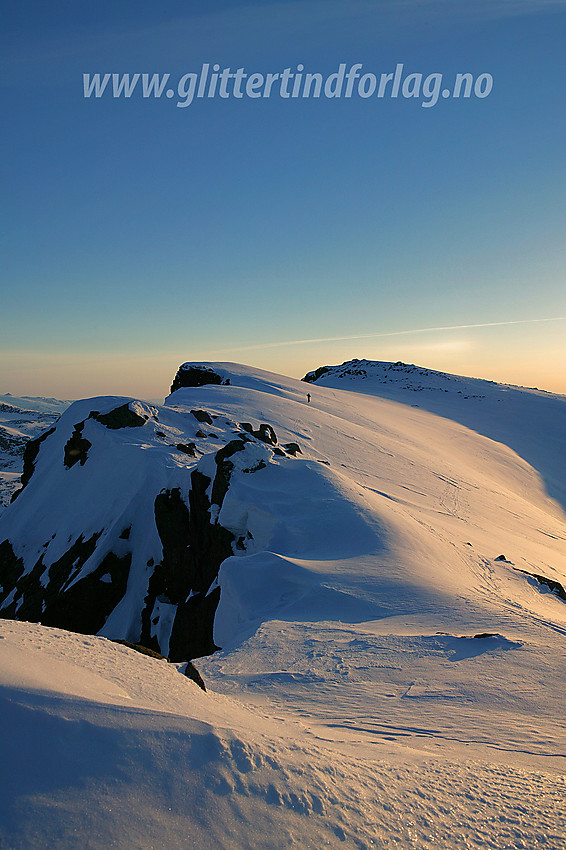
[
  {"x": 292, "y": 449},
  {"x": 265, "y": 432},
  {"x": 202, "y": 416},
  {"x": 224, "y": 470},
  {"x": 76, "y": 448},
  {"x": 192, "y": 375},
  {"x": 194, "y": 547},
  {"x": 192, "y": 673},
  {"x": 312, "y": 377},
  {"x": 146, "y": 570},
  {"x": 11, "y": 568},
  {"x": 187, "y": 448},
  {"x": 123, "y": 416},
  {"x": 120, "y": 417},
  {"x": 143, "y": 650},
  {"x": 551, "y": 583},
  {"x": 57, "y": 595}
]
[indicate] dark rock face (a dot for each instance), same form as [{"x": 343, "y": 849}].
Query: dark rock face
[
  {"x": 312, "y": 377},
  {"x": 191, "y": 672},
  {"x": 224, "y": 470},
  {"x": 202, "y": 416},
  {"x": 76, "y": 448},
  {"x": 187, "y": 448},
  {"x": 292, "y": 448},
  {"x": 551, "y": 583},
  {"x": 86, "y": 605},
  {"x": 192, "y": 633},
  {"x": 211, "y": 543},
  {"x": 120, "y": 417},
  {"x": 193, "y": 550},
  {"x": 137, "y": 647},
  {"x": 194, "y": 376},
  {"x": 80, "y": 607},
  {"x": 265, "y": 432},
  {"x": 11, "y": 569}
]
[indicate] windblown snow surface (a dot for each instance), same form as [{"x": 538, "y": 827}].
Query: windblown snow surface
[{"x": 354, "y": 703}]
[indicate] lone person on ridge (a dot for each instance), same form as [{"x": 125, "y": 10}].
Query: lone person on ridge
[{"x": 308, "y": 398}]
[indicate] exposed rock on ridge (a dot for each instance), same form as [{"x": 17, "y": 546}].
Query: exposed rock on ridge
[
  {"x": 130, "y": 540},
  {"x": 193, "y": 375}
]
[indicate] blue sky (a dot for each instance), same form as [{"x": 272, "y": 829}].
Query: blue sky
[{"x": 138, "y": 234}]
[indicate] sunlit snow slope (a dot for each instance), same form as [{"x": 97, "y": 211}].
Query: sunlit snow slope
[{"x": 403, "y": 682}]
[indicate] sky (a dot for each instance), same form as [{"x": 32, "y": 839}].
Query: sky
[{"x": 285, "y": 233}]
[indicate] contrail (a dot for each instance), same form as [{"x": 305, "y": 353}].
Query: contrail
[{"x": 391, "y": 333}]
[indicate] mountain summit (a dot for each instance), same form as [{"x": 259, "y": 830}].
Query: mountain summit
[
  {"x": 135, "y": 520},
  {"x": 530, "y": 421}
]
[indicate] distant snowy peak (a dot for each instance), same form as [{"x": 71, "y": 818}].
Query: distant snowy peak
[
  {"x": 363, "y": 374},
  {"x": 403, "y": 375},
  {"x": 530, "y": 421},
  {"x": 38, "y": 404}
]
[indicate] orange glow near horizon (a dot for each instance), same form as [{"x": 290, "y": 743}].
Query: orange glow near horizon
[{"x": 139, "y": 374}]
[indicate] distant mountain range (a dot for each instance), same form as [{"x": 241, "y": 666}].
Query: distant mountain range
[{"x": 21, "y": 419}]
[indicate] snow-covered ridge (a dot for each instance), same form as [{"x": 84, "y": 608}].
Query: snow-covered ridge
[
  {"x": 116, "y": 529},
  {"x": 384, "y": 584},
  {"x": 413, "y": 378},
  {"x": 129, "y": 510},
  {"x": 530, "y": 421}
]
